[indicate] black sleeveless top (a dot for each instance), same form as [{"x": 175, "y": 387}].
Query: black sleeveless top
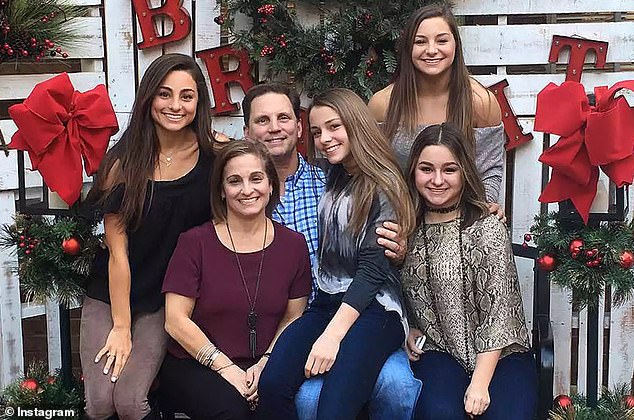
[{"x": 170, "y": 209}]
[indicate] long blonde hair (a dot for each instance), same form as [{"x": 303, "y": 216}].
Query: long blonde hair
[
  {"x": 404, "y": 107},
  {"x": 373, "y": 155}
]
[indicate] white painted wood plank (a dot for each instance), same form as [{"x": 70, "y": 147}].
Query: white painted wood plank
[
  {"x": 147, "y": 55},
  {"x": 206, "y": 31},
  {"x": 561, "y": 319},
  {"x": 525, "y": 194},
  {"x": 621, "y": 349},
  {"x": 186, "y": 45},
  {"x": 525, "y": 207},
  {"x": 530, "y": 44},
  {"x": 621, "y": 368},
  {"x": 32, "y": 309},
  {"x": 120, "y": 54},
  {"x": 515, "y": 7},
  {"x": 523, "y": 88},
  {"x": 232, "y": 126},
  {"x": 11, "y": 358},
  {"x": 86, "y": 2},
  {"x": 90, "y": 41},
  {"x": 17, "y": 86},
  {"x": 53, "y": 335}
]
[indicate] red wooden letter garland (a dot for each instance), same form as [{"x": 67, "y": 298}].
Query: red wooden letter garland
[
  {"x": 220, "y": 79},
  {"x": 171, "y": 9},
  {"x": 514, "y": 134},
  {"x": 578, "y": 50}
]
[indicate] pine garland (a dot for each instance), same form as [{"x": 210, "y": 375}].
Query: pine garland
[
  {"x": 54, "y": 255},
  {"x": 613, "y": 405},
  {"x": 33, "y": 29},
  {"x": 604, "y": 257},
  {"x": 354, "y": 47},
  {"x": 40, "y": 390}
]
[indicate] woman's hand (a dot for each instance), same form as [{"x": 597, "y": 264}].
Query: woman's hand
[
  {"x": 237, "y": 378},
  {"x": 413, "y": 352},
  {"x": 476, "y": 399},
  {"x": 395, "y": 245},
  {"x": 253, "y": 378},
  {"x": 495, "y": 208},
  {"x": 322, "y": 356},
  {"x": 117, "y": 350}
]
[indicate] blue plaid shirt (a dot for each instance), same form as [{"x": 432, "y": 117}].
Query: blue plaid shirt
[{"x": 297, "y": 209}]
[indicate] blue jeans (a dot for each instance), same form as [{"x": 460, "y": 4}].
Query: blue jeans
[
  {"x": 367, "y": 345},
  {"x": 513, "y": 388},
  {"x": 393, "y": 398}
]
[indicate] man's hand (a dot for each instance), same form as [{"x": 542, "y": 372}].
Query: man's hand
[
  {"x": 496, "y": 209},
  {"x": 395, "y": 245}
]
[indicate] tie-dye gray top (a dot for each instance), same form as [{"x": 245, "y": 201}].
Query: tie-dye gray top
[
  {"x": 489, "y": 155},
  {"x": 354, "y": 264}
]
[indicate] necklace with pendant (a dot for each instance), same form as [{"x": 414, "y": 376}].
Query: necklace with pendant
[
  {"x": 252, "y": 317},
  {"x": 167, "y": 159}
]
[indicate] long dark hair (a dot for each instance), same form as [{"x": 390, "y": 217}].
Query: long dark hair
[
  {"x": 472, "y": 199},
  {"x": 403, "y": 107},
  {"x": 232, "y": 150},
  {"x": 132, "y": 160},
  {"x": 374, "y": 157}
]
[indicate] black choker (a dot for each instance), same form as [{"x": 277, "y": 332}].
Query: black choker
[{"x": 443, "y": 209}]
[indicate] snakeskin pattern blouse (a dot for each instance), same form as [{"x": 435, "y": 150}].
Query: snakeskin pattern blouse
[{"x": 490, "y": 316}]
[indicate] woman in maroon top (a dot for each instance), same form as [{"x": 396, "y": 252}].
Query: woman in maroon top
[{"x": 232, "y": 286}]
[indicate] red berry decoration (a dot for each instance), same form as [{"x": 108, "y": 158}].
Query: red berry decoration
[
  {"x": 528, "y": 237},
  {"x": 546, "y": 262},
  {"x": 29, "y": 383},
  {"x": 64, "y": 55},
  {"x": 220, "y": 20},
  {"x": 575, "y": 246},
  {"x": 628, "y": 400},
  {"x": 71, "y": 246},
  {"x": 626, "y": 259},
  {"x": 564, "y": 402}
]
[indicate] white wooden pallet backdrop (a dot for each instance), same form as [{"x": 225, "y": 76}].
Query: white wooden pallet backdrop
[{"x": 109, "y": 55}]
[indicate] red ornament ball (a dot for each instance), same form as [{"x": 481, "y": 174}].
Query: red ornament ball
[
  {"x": 546, "y": 262},
  {"x": 563, "y": 401},
  {"x": 575, "y": 246},
  {"x": 29, "y": 383},
  {"x": 71, "y": 246},
  {"x": 528, "y": 237},
  {"x": 626, "y": 259},
  {"x": 628, "y": 400}
]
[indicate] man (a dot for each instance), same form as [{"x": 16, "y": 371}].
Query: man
[{"x": 272, "y": 117}]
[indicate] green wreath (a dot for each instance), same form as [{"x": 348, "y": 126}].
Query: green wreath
[
  {"x": 38, "y": 389},
  {"x": 54, "y": 255},
  {"x": 613, "y": 404},
  {"x": 353, "y": 46},
  {"x": 586, "y": 259},
  {"x": 35, "y": 29}
]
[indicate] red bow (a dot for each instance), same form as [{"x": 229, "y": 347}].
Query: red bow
[
  {"x": 591, "y": 136},
  {"x": 58, "y": 126}
]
